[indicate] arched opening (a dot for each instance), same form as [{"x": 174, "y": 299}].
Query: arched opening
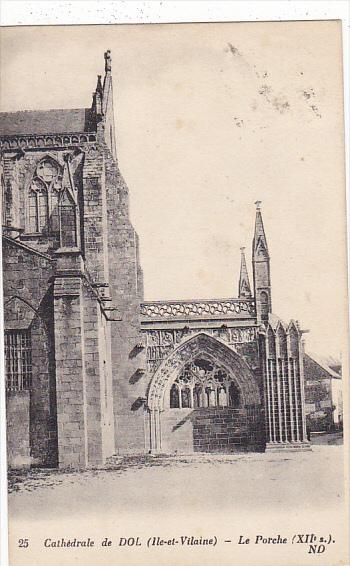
[
  {"x": 43, "y": 198},
  {"x": 203, "y": 383},
  {"x": 205, "y": 398}
]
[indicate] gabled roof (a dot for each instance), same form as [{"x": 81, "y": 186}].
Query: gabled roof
[
  {"x": 323, "y": 364},
  {"x": 45, "y": 121}
]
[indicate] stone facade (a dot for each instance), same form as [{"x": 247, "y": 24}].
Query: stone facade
[{"x": 91, "y": 368}]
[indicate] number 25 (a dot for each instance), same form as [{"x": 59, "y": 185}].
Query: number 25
[{"x": 23, "y": 543}]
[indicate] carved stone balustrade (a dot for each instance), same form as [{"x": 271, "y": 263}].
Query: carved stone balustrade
[
  {"x": 31, "y": 141},
  {"x": 197, "y": 309}
]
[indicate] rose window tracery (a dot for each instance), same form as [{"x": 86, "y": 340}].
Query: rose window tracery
[
  {"x": 47, "y": 171},
  {"x": 202, "y": 383}
]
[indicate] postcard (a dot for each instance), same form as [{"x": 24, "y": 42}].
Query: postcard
[{"x": 175, "y": 294}]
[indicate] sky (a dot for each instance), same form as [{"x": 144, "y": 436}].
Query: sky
[{"x": 209, "y": 119}]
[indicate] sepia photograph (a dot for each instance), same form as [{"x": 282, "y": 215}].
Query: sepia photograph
[{"x": 174, "y": 293}]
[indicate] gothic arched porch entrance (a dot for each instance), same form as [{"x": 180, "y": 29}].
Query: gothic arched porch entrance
[{"x": 204, "y": 398}]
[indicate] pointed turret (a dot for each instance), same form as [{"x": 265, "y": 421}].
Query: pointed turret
[
  {"x": 261, "y": 268},
  {"x": 102, "y": 115},
  {"x": 98, "y": 99},
  {"x": 259, "y": 242},
  {"x": 244, "y": 291},
  {"x": 107, "y": 105},
  {"x": 99, "y": 88}
]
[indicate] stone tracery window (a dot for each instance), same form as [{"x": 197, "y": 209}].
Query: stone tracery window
[
  {"x": 47, "y": 170},
  {"x": 38, "y": 211},
  {"x": 203, "y": 384},
  {"x": 43, "y": 198},
  {"x": 52, "y": 209}
]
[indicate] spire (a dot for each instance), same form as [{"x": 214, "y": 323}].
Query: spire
[
  {"x": 259, "y": 243},
  {"x": 261, "y": 268},
  {"x": 107, "y": 88},
  {"x": 107, "y": 130},
  {"x": 244, "y": 291},
  {"x": 99, "y": 85}
]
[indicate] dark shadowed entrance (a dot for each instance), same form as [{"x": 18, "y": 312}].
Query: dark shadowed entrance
[{"x": 204, "y": 398}]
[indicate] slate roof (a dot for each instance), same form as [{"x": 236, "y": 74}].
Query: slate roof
[{"x": 45, "y": 121}]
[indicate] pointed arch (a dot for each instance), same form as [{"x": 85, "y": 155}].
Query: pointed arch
[
  {"x": 293, "y": 334},
  {"x": 281, "y": 336},
  {"x": 18, "y": 313},
  {"x": 211, "y": 349},
  {"x": 271, "y": 342},
  {"x": 45, "y": 184},
  {"x": 18, "y": 319}
]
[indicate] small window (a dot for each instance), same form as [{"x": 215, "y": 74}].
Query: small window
[{"x": 18, "y": 360}]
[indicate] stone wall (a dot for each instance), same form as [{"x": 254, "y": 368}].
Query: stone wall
[
  {"x": 177, "y": 431},
  {"x": 70, "y": 373},
  {"x": 213, "y": 429},
  {"x": 27, "y": 305},
  {"x": 128, "y": 360},
  {"x": 18, "y": 441},
  {"x": 11, "y": 195},
  {"x": 220, "y": 429}
]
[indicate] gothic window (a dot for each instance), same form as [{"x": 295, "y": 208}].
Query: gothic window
[
  {"x": 174, "y": 397},
  {"x": 38, "y": 208},
  {"x": 43, "y": 199},
  {"x": 18, "y": 360},
  {"x": 203, "y": 384}
]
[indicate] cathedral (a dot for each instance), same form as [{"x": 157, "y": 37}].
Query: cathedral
[{"x": 92, "y": 369}]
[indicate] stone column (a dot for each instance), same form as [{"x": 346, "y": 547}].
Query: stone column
[
  {"x": 279, "y": 399},
  {"x": 302, "y": 389},
  {"x": 296, "y": 400},
  {"x": 268, "y": 393},
  {"x": 273, "y": 398},
  {"x": 70, "y": 372},
  {"x": 291, "y": 392},
  {"x": 155, "y": 431},
  {"x": 283, "y": 379}
]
